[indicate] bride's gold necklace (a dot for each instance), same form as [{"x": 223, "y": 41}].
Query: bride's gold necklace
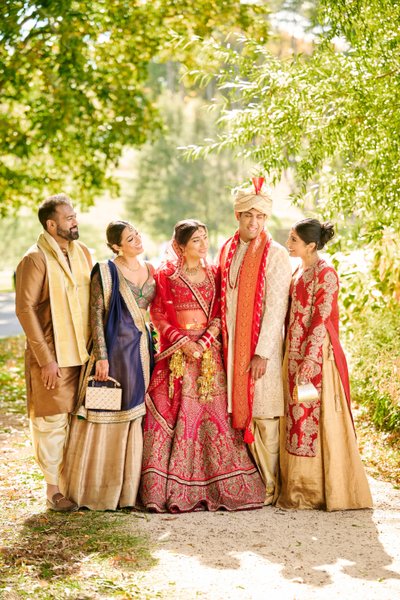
[
  {"x": 192, "y": 270},
  {"x": 129, "y": 268}
]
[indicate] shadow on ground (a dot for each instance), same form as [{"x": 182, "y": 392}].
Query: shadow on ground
[{"x": 303, "y": 545}]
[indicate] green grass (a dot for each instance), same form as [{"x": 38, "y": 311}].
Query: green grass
[
  {"x": 12, "y": 382},
  {"x": 82, "y": 555},
  {"x": 52, "y": 546}
]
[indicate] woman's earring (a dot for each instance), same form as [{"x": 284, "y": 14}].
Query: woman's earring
[{"x": 120, "y": 253}]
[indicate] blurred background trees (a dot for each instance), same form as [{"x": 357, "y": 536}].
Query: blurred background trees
[
  {"x": 327, "y": 110},
  {"x": 74, "y": 85}
]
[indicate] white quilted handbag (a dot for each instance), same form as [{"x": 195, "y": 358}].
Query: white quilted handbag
[{"x": 102, "y": 397}]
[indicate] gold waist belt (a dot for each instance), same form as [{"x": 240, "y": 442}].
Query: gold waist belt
[{"x": 195, "y": 326}]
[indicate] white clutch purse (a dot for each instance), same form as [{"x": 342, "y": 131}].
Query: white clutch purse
[
  {"x": 307, "y": 392},
  {"x": 102, "y": 397}
]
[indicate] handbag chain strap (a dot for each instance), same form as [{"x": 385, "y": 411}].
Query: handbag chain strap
[{"x": 115, "y": 382}]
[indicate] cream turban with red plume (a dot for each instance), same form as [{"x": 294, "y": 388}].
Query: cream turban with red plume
[{"x": 258, "y": 198}]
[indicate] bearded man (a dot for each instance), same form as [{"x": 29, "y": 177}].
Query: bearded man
[{"x": 52, "y": 305}]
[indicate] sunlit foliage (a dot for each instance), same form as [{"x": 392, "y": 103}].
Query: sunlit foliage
[
  {"x": 330, "y": 114},
  {"x": 72, "y": 81}
]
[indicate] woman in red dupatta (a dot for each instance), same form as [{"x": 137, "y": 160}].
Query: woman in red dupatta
[
  {"x": 193, "y": 459},
  {"x": 320, "y": 466}
]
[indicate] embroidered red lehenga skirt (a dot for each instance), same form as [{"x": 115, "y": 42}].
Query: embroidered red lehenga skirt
[{"x": 192, "y": 457}]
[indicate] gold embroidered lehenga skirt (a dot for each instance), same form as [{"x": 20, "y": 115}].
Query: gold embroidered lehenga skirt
[{"x": 335, "y": 478}]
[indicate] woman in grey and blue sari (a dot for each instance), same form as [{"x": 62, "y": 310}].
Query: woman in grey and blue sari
[{"x": 102, "y": 462}]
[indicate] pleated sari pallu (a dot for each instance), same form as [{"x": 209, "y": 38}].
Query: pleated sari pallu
[
  {"x": 192, "y": 457},
  {"x": 103, "y": 458}
]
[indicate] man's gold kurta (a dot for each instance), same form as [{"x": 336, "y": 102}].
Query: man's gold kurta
[{"x": 34, "y": 313}]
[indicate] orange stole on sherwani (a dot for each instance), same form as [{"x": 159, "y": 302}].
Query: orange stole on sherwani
[{"x": 251, "y": 284}]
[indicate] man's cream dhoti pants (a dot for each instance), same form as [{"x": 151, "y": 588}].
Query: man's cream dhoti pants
[
  {"x": 265, "y": 451},
  {"x": 49, "y": 435}
]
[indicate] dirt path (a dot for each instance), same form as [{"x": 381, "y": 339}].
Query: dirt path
[
  {"x": 265, "y": 554},
  {"x": 273, "y": 553}
]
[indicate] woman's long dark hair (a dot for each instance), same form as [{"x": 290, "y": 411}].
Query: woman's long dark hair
[
  {"x": 311, "y": 230},
  {"x": 114, "y": 233},
  {"x": 184, "y": 230}
]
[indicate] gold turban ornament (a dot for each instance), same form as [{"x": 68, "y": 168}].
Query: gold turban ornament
[{"x": 258, "y": 198}]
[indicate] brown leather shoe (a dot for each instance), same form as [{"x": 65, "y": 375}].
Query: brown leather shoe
[{"x": 60, "y": 503}]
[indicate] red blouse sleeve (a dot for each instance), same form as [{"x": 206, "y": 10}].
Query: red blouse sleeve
[
  {"x": 158, "y": 315},
  {"x": 324, "y": 302}
]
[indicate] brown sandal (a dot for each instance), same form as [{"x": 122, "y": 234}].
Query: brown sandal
[{"x": 60, "y": 503}]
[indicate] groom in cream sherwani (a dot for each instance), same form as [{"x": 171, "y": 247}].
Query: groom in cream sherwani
[
  {"x": 52, "y": 305},
  {"x": 255, "y": 279}
]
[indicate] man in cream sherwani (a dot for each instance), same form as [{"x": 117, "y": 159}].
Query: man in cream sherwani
[
  {"x": 52, "y": 305},
  {"x": 255, "y": 280}
]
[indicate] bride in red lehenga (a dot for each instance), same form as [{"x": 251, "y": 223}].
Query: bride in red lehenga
[{"x": 193, "y": 459}]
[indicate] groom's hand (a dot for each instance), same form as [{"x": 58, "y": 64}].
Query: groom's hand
[{"x": 257, "y": 366}]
